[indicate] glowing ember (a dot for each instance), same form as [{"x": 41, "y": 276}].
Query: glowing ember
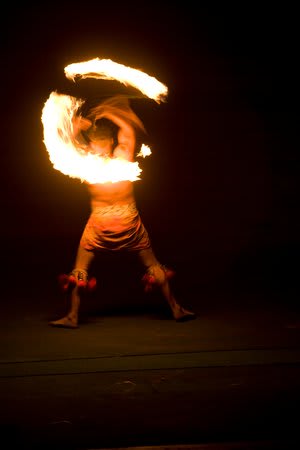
[
  {"x": 110, "y": 70},
  {"x": 66, "y": 154},
  {"x": 145, "y": 151}
]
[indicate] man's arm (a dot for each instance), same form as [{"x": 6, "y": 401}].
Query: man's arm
[
  {"x": 126, "y": 135},
  {"x": 80, "y": 124}
]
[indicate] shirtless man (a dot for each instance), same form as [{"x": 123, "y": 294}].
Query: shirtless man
[{"x": 114, "y": 223}]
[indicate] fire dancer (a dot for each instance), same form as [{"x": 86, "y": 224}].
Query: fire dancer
[{"x": 110, "y": 130}]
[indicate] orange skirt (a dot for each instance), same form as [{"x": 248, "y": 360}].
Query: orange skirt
[{"x": 116, "y": 227}]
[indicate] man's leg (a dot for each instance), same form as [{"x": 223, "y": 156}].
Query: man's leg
[
  {"x": 159, "y": 276},
  {"x": 79, "y": 276}
]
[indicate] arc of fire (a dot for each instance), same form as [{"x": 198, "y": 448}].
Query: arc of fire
[
  {"x": 110, "y": 70},
  {"x": 57, "y": 122}
]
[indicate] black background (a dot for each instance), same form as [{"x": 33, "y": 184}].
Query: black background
[{"x": 219, "y": 194}]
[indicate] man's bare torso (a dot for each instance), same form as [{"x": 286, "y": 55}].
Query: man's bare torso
[{"x": 107, "y": 194}]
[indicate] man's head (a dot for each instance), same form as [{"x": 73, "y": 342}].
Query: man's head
[
  {"x": 101, "y": 136},
  {"x": 100, "y": 130}
]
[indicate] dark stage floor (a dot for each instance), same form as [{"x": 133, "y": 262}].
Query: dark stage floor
[{"x": 130, "y": 376}]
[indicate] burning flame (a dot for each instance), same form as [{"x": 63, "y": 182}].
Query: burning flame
[
  {"x": 65, "y": 153},
  {"x": 68, "y": 157},
  {"x": 145, "y": 151},
  {"x": 110, "y": 70}
]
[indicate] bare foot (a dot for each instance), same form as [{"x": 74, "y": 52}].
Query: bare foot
[
  {"x": 181, "y": 314},
  {"x": 65, "y": 322}
]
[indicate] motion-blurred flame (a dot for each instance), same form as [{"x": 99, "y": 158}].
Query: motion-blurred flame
[
  {"x": 68, "y": 156},
  {"x": 65, "y": 152},
  {"x": 110, "y": 70}
]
